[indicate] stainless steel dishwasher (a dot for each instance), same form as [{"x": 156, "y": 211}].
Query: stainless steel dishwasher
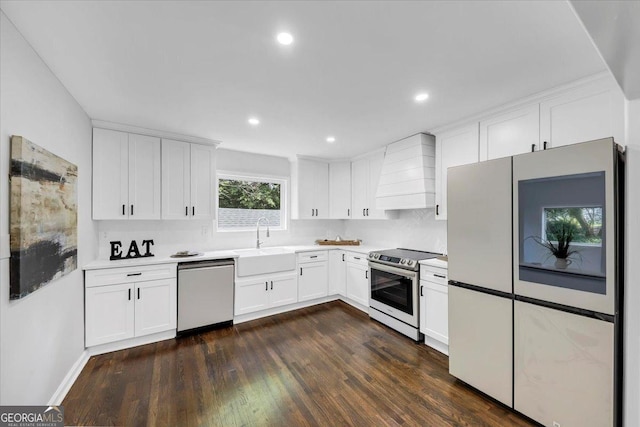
[{"x": 205, "y": 294}]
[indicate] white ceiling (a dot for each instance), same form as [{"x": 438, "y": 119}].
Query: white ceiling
[{"x": 202, "y": 68}]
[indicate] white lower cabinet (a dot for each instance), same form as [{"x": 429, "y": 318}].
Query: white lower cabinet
[
  {"x": 312, "y": 275},
  {"x": 358, "y": 278},
  {"x": 118, "y": 311},
  {"x": 337, "y": 273},
  {"x": 434, "y": 307},
  {"x": 262, "y": 292}
]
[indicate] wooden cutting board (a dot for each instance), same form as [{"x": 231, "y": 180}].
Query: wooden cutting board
[{"x": 326, "y": 242}]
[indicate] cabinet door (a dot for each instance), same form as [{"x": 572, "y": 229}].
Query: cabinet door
[
  {"x": 436, "y": 311},
  {"x": 144, "y": 177},
  {"x": 283, "y": 291},
  {"x": 176, "y": 179},
  {"x": 423, "y": 307},
  {"x": 312, "y": 281},
  {"x": 337, "y": 273},
  {"x": 110, "y": 174},
  {"x": 321, "y": 193},
  {"x": 375, "y": 169},
  {"x": 109, "y": 314},
  {"x": 156, "y": 306},
  {"x": 358, "y": 283},
  {"x": 251, "y": 296},
  {"x": 305, "y": 188},
  {"x": 511, "y": 133},
  {"x": 202, "y": 181},
  {"x": 340, "y": 190},
  {"x": 585, "y": 114},
  {"x": 359, "y": 188},
  {"x": 454, "y": 148}
]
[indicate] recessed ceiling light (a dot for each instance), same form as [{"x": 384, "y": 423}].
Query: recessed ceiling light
[
  {"x": 331, "y": 139},
  {"x": 421, "y": 97},
  {"x": 285, "y": 38},
  {"x": 253, "y": 121}
]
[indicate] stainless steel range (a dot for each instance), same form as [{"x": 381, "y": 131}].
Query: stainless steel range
[{"x": 394, "y": 289}]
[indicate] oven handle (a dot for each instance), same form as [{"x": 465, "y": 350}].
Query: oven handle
[{"x": 413, "y": 275}]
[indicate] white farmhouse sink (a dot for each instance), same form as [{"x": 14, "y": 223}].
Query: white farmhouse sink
[{"x": 263, "y": 261}]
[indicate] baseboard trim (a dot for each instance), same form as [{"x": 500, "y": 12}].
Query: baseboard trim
[
  {"x": 69, "y": 379},
  {"x": 131, "y": 342}
]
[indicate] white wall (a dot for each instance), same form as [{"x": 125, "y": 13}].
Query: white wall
[
  {"x": 632, "y": 288},
  {"x": 41, "y": 335},
  {"x": 413, "y": 229}
]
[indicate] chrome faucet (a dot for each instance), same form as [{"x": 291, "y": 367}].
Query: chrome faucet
[{"x": 258, "y": 242}]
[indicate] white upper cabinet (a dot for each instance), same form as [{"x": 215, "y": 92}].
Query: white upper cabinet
[
  {"x": 188, "y": 180},
  {"x": 365, "y": 176},
  {"x": 310, "y": 184},
  {"x": 453, "y": 148},
  {"x": 340, "y": 190},
  {"x": 510, "y": 133},
  {"x": 126, "y": 175},
  {"x": 593, "y": 111}
]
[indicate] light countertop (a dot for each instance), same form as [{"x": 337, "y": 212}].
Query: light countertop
[
  {"x": 435, "y": 262},
  {"x": 213, "y": 255}
]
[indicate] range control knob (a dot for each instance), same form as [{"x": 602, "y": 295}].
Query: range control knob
[
  {"x": 403, "y": 261},
  {"x": 410, "y": 262}
]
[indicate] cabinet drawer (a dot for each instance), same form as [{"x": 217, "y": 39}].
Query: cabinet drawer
[
  {"x": 312, "y": 256},
  {"x": 434, "y": 274},
  {"x": 356, "y": 258},
  {"x": 112, "y": 276}
]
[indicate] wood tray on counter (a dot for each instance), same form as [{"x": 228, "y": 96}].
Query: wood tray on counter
[{"x": 326, "y": 242}]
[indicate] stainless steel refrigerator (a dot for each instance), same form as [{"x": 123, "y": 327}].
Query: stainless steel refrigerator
[{"x": 535, "y": 267}]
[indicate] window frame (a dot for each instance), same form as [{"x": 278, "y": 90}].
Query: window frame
[{"x": 256, "y": 177}]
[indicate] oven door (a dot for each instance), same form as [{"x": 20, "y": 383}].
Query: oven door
[{"x": 394, "y": 291}]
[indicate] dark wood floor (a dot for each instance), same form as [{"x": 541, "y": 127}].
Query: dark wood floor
[{"x": 326, "y": 365}]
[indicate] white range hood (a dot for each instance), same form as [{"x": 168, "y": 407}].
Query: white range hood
[{"x": 407, "y": 180}]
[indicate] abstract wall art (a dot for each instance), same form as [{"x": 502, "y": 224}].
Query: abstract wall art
[{"x": 43, "y": 217}]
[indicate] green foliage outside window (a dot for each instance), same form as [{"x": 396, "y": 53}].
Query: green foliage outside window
[
  {"x": 236, "y": 194},
  {"x": 583, "y": 223}
]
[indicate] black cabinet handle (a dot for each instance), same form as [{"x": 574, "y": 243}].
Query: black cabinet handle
[
  {"x": 439, "y": 275},
  {"x": 363, "y": 214},
  {"x": 366, "y": 274},
  {"x": 193, "y": 210},
  {"x": 129, "y": 294},
  {"x": 312, "y": 212},
  {"x": 266, "y": 286},
  {"x": 186, "y": 211},
  {"x": 342, "y": 257},
  {"x": 316, "y": 212},
  {"x": 131, "y": 210},
  {"x": 437, "y": 210},
  {"x": 367, "y": 211},
  {"x": 272, "y": 285},
  {"x": 134, "y": 274},
  {"x": 533, "y": 147},
  {"x": 348, "y": 212},
  {"x": 138, "y": 293},
  {"x": 313, "y": 256},
  {"x": 301, "y": 271},
  {"x": 544, "y": 145},
  {"x": 421, "y": 293},
  {"x": 123, "y": 211}
]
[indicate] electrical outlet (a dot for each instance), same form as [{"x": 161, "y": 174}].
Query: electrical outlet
[{"x": 556, "y": 424}]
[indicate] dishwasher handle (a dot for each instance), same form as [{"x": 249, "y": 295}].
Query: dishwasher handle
[{"x": 204, "y": 264}]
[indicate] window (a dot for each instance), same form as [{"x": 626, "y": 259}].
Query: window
[
  {"x": 582, "y": 224},
  {"x": 243, "y": 199}
]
